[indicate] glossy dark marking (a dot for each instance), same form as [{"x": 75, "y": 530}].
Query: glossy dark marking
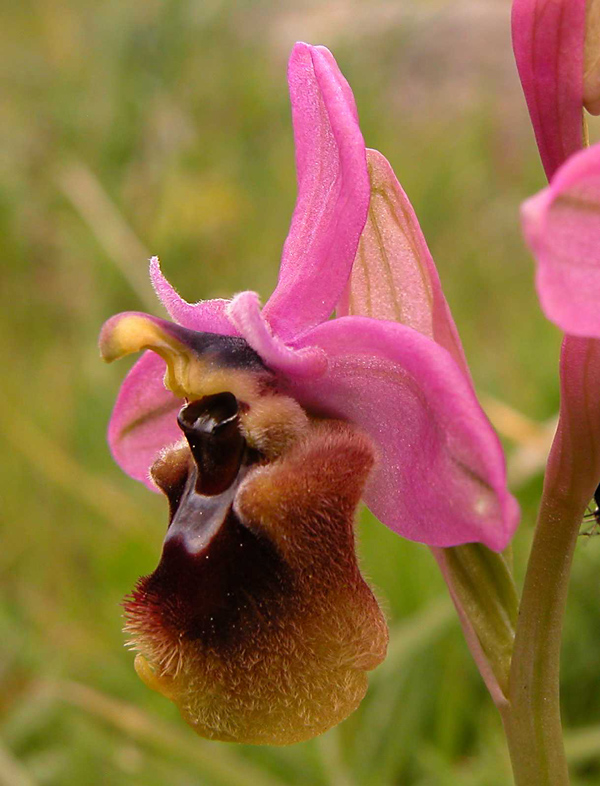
[{"x": 211, "y": 427}]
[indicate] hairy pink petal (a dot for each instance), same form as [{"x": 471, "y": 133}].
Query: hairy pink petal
[
  {"x": 207, "y": 315},
  {"x": 562, "y": 228},
  {"x": 333, "y": 195},
  {"x": 548, "y": 40},
  {"x": 394, "y": 276},
  {"x": 440, "y": 478},
  {"x": 144, "y": 419},
  {"x": 245, "y": 313}
]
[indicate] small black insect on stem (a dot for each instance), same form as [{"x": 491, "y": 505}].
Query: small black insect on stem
[{"x": 593, "y": 516}]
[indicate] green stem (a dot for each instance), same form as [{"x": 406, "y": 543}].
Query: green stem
[{"x": 532, "y": 717}]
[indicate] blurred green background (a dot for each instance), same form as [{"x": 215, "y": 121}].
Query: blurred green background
[{"x": 136, "y": 127}]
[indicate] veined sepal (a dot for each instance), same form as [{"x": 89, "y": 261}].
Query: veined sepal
[{"x": 482, "y": 588}]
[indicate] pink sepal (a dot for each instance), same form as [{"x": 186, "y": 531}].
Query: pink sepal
[
  {"x": 333, "y": 195},
  {"x": 440, "y": 478}
]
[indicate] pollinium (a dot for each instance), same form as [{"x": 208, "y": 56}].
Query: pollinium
[{"x": 257, "y": 622}]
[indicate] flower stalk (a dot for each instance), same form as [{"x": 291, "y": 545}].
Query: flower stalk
[{"x": 532, "y": 719}]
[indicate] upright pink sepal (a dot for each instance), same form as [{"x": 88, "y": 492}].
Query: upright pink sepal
[
  {"x": 548, "y": 40},
  {"x": 394, "y": 276},
  {"x": 207, "y": 315},
  {"x": 440, "y": 476},
  {"x": 562, "y": 227},
  {"x": 333, "y": 195}
]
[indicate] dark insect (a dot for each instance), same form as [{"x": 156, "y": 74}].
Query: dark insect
[{"x": 593, "y": 516}]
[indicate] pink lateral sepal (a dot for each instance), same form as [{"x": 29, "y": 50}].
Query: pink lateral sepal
[{"x": 440, "y": 476}]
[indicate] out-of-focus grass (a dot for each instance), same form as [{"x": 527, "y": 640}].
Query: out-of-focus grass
[{"x": 128, "y": 128}]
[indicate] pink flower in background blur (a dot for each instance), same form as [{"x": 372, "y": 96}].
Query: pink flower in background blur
[
  {"x": 562, "y": 228},
  {"x": 556, "y": 48}
]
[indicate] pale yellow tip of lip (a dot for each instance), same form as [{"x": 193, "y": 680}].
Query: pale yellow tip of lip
[
  {"x": 149, "y": 677},
  {"x": 124, "y": 334}
]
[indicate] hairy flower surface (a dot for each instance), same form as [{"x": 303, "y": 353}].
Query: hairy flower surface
[{"x": 399, "y": 414}]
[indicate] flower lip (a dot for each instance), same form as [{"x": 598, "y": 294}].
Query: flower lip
[{"x": 257, "y": 622}]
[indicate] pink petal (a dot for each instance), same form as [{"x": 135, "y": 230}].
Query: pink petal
[
  {"x": 144, "y": 419},
  {"x": 548, "y": 40},
  {"x": 245, "y": 313},
  {"x": 562, "y": 228},
  {"x": 333, "y": 195},
  {"x": 440, "y": 477},
  {"x": 207, "y": 315},
  {"x": 394, "y": 276}
]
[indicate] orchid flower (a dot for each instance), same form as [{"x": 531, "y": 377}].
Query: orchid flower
[
  {"x": 298, "y": 412},
  {"x": 557, "y": 51}
]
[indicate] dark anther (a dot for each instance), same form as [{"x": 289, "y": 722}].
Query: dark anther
[{"x": 211, "y": 427}]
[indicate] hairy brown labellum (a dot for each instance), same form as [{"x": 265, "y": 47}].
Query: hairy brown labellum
[{"x": 257, "y": 622}]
